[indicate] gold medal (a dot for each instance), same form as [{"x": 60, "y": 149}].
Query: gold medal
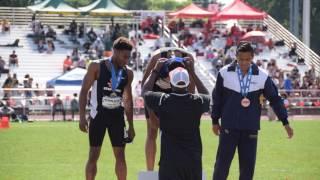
[{"x": 245, "y": 102}]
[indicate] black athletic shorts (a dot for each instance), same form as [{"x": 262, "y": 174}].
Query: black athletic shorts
[
  {"x": 113, "y": 123},
  {"x": 156, "y": 88}
]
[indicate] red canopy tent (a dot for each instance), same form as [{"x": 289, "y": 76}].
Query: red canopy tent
[
  {"x": 240, "y": 10},
  {"x": 192, "y": 11}
]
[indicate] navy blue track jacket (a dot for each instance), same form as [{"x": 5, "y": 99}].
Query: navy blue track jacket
[{"x": 227, "y": 99}]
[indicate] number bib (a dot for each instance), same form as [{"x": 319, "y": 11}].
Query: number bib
[{"x": 111, "y": 102}]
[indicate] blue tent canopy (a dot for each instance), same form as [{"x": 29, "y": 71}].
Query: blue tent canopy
[{"x": 71, "y": 78}]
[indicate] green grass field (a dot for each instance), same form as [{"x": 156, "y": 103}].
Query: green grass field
[{"x": 58, "y": 151}]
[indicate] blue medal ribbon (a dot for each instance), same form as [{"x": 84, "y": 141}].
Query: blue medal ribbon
[
  {"x": 116, "y": 79},
  {"x": 244, "y": 83}
]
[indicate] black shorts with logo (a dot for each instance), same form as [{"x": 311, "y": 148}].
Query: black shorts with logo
[{"x": 115, "y": 125}]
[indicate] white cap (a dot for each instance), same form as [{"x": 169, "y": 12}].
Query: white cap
[{"x": 179, "y": 77}]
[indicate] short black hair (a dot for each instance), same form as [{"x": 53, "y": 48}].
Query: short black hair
[
  {"x": 245, "y": 46},
  {"x": 122, "y": 43}
]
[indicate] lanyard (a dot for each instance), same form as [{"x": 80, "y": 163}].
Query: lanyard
[
  {"x": 115, "y": 79},
  {"x": 244, "y": 83}
]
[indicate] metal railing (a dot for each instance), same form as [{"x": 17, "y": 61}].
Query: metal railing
[{"x": 311, "y": 58}]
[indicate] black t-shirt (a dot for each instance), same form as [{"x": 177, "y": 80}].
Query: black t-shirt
[{"x": 179, "y": 116}]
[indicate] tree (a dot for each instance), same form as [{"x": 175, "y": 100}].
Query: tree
[
  {"x": 134, "y": 4},
  {"x": 315, "y": 26},
  {"x": 280, "y": 11}
]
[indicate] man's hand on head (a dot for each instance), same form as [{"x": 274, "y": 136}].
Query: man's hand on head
[
  {"x": 189, "y": 63},
  {"x": 160, "y": 63}
]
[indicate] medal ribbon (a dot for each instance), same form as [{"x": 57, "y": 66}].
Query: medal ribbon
[
  {"x": 244, "y": 82},
  {"x": 116, "y": 79}
]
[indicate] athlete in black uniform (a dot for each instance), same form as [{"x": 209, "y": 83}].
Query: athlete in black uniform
[{"x": 111, "y": 97}]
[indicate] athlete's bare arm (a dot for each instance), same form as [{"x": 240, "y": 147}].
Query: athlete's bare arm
[{"x": 88, "y": 80}]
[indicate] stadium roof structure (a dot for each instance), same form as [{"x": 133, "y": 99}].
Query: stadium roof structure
[
  {"x": 104, "y": 7},
  {"x": 240, "y": 10},
  {"x": 192, "y": 11},
  {"x": 54, "y": 6}
]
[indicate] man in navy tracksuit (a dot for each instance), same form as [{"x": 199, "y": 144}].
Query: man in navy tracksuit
[{"x": 236, "y": 101}]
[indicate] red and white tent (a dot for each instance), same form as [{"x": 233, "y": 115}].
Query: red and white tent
[
  {"x": 240, "y": 10},
  {"x": 192, "y": 11}
]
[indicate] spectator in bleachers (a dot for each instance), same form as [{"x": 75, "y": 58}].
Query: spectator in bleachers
[
  {"x": 41, "y": 46},
  {"x": 259, "y": 63},
  {"x": 75, "y": 55},
  {"x": 37, "y": 92},
  {"x": 180, "y": 25},
  {"x": 49, "y": 93},
  {"x": 27, "y": 83},
  {"x": 3, "y": 70},
  {"x": 155, "y": 26},
  {"x": 173, "y": 26},
  {"x": 33, "y": 17},
  {"x": 92, "y": 35},
  {"x": 14, "y": 44},
  {"x": 51, "y": 46},
  {"x": 51, "y": 33},
  {"x": 264, "y": 27},
  {"x": 5, "y": 25},
  {"x": 270, "y": 44},
  {"x": 249, "y": 28},
  {"x": 67, "y": 64},
  {"x": 81, "y": 30},
  {"x": 73, "y": 30},
  {"x": 13, "y": 59},
  {"x": 272, "y": 68},
  {"x": 124, "y": 31},
  {"x": 232, "y": 52},
  {"x": 295, "y": 75},
  {"x": 234, "y": 29},
  {"x": 146, "y": 25},
  {"x": 74, "y": 105},
  {"x": 7, "y": 84},
  {"x": 99, "y": 47},
  {"x": 312, "y": 72},
  {"x": 15, "y": 84},
  {"x": 293, "y": 48},
  {"x": 58, "y": 106}
]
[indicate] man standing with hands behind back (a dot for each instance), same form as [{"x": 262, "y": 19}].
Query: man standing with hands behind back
[
  {"x": 111, "y": 87},
  {"x": 236, "y": 101}
]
